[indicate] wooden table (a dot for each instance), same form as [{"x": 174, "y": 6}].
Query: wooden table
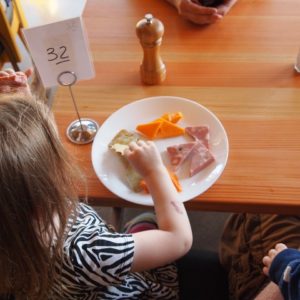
[{"x": 241, "y": 68}]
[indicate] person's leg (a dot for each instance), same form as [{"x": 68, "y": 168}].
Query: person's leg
[
  {"x": 201, "y": 276},
  {"x": 142, "y": 222},
  {"x": 245, "y": 240}
]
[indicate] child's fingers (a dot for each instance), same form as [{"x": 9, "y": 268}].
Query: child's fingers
[
  {"x": 7, "y": 75},
  {"x": 4, "y": 74},
  {"x": 28, "y": 72},
  {"x": 10, "y": 71},
  {"x": 280, "y": 247},
  {"x": 150, "y": 143},
  {"x": 141, "y": 143},
  {"x": 20, "y": 79},
  {"x": 272, "y": 253},
  {"x": 266, "y": 271},
  {"x": 266, "y": 261},
  {"x": 13, "y": 79},
  {"x": 126, "y": 152},
  {"x": 133, "y": 146},
  {"x": 131, "y": 149}
]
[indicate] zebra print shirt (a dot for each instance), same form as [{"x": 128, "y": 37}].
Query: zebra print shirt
[{"x": 96, "y": 265}]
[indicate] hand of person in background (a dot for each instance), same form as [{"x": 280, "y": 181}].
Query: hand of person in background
[
  {"x": 193, "y": 11},
  {"x": 225, "y": 7},
  {"x": 268, "y": 259},
  {"x": 15, "y": 82}
]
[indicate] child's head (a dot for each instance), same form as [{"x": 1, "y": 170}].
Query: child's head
[{"x": 36, "y": 194}]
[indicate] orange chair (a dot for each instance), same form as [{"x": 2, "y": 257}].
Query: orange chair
[{"x": 12, "y": 20}]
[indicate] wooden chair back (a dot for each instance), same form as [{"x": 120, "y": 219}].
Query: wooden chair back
[{"x": 12, "y": 20}]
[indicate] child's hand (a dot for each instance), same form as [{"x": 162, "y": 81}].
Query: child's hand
[
  {"x": 144, "y": 157},
  {"x": 15, "y": 82},
  {"x": 267, "y": 260}
]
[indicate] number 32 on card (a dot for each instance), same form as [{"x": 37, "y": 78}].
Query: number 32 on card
[{"x": 58, "y": 55}]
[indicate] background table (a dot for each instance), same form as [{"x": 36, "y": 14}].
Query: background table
[{"x": 241, "y": 68}]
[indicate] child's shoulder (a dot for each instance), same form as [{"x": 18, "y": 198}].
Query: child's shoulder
[
  {"x": 86, "y": 228},
  {"x": 87, "y": 215},
  {"x": 85, "y": 220},
  {"x": 86, "y": 209}
]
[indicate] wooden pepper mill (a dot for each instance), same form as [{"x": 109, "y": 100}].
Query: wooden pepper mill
[{"x": 150, "y": 31}]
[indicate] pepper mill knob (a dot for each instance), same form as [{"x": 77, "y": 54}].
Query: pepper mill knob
[{"x": 150, "y": 32}]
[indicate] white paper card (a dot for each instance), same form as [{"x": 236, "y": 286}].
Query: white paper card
[{"x": 59, "y": 47}]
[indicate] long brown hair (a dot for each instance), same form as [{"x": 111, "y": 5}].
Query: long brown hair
[{"x": 37, "y": 194}]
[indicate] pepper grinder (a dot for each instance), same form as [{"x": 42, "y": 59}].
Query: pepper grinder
[{"x": 150, "y": 31}]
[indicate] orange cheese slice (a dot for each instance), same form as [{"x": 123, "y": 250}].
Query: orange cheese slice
[
  {"x": 150, "y": 130},
  {"x": 173, "y": 177},
  {"x": 144, "y": 187},
  {"x": 173, "y": 117},
  {"x": 163, "y": 127},
  {"x": 168, "y": 129},
  {"x": 175, "y": 181}
]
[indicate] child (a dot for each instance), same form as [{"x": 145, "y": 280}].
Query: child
[
  {"x": 282, "y": 264},
  {"x": 53, "y": 247}
]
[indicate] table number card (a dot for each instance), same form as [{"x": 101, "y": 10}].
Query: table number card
[{"x": 59, "y": 47}]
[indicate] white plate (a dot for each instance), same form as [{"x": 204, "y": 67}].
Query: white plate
[{"x": 110, "y": 170}]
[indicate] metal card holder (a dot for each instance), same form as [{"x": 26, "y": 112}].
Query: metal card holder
[{"x": 83, "y": 130}]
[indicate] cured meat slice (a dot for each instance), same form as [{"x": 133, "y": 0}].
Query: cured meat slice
[
  {"x": 200, "y": 133},
  {"x": 179, "y": 153},
  {"x": 200, "y": 158}
]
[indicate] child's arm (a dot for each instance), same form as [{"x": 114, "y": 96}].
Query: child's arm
[
  {"x": 173, "y": 238},
  {"x": 283, "y": 267}
]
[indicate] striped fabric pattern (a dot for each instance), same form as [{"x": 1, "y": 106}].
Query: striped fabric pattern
[{"x": 96, "y": 265}]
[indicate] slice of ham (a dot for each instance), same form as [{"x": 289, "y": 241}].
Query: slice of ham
[
  {"x": 179, "y": 153},
  {"x": 200, "y": 158},
  {"x": 200, "y": 133}
]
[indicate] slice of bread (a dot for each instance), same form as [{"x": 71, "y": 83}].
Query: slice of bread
[
  {"x": 118, "y": 144},
  {"x": 122, "y": 139}
]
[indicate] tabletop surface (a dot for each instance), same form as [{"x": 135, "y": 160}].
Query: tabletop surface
[{"x": 241, "y": 68}]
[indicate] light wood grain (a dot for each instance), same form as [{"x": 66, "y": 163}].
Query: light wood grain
[{"x": 240, "y": 68}]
